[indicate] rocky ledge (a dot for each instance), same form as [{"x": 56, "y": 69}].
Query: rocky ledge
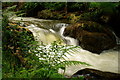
[
  {"x": 92, "y": 74},
  {"x": 91, "y": 36}
]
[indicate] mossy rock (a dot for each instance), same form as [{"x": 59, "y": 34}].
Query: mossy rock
[{"x": 92, "y": 36}]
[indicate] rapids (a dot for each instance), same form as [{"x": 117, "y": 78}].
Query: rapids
[{"x": 106, "y": 61}]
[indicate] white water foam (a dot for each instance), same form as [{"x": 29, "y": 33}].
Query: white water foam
[
  {"x": 42, "y": 35},
  {"x": 70, "y": 40},
  {"x": 117, "y": 38},
  {"x": 106, "y": 61}
]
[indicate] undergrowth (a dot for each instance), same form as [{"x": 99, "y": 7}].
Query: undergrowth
[{"x": 24, "y": 58}]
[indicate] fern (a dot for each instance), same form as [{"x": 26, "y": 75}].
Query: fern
[
  {"x": 63, "y": 64},
  {"x": 106, "y": 7},
  {"x": 69, "y": 63},
  {"x": 10, "y": 13},
  {"x": 53, "y": 57},
  {"x": 11, "y": 8}
]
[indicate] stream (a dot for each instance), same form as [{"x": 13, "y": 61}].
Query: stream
[{"x": 48, "y": 31}]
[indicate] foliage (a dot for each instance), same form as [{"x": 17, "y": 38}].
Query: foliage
[
  {"x": 107, "y": 7},
  {"x": 73, "y": 18},
  {"x": 77, "y": 6},
  {"x": 30, "y": 5},
  {"x": 14, "y": 45},
  {"x": 93, "y": 16},
  {"x": 9, "y": 13},
  {"x": 49, "y": 14},
  {"x": 54, "y": 5},
  {"x": 34, "y": 7},
  {"x": 45, "y": 14},
  {"x": 50, "y": 58},
  {"x": 7, "y": 4},
  {"x": 97, "y": 11},
  {"x": 100, "y": 12},
  {"x": 16, "y": 41},
  {"x": 44, "y": 61},
  {"x": 24, "y": 58}
]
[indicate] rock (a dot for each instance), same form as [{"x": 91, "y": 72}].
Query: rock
[
  {"x": 91, "y": 36},
  {"x": 92, "y": 74}
]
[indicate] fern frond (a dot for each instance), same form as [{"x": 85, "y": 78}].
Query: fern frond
[
  {"x": 10, "y": 13},
  {"x": 21, "y": 14},
  {"x": 63, "y": 64},
  {"x": 69, "y": 63},
  {"x": 10, "y": 8}
]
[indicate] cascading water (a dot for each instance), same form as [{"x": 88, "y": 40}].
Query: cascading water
[
  {"x": 42, "y": 35},
  {"x": 69, "y": 40},
  {"x": 117, "y": 38},
  {"x": 106, "y": 61}
]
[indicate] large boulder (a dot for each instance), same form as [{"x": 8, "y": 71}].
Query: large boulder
[
  {"x": 92, "y": 74},
  {"x": 91, "y": 36}
]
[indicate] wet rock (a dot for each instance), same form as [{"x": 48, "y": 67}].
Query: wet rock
[
  {"x": 92, "y": 36},
  {"x": 92, "y": 74}
]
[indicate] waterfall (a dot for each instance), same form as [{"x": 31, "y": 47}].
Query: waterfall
[
  {"x": 48, "y": 36},
  {"x": 69, "y": 40},
  {"x": 106, "y": 61},
  {"x": 43, "y": 35},
  {"x": 117, "y": 38}
]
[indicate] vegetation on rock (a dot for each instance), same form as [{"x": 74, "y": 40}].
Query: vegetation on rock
[{"x": 88, "y": 33}]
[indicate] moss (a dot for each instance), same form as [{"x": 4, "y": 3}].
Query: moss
[
  {"x": 90, "y": 26},
  {"x": 49, "y": 14}
]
